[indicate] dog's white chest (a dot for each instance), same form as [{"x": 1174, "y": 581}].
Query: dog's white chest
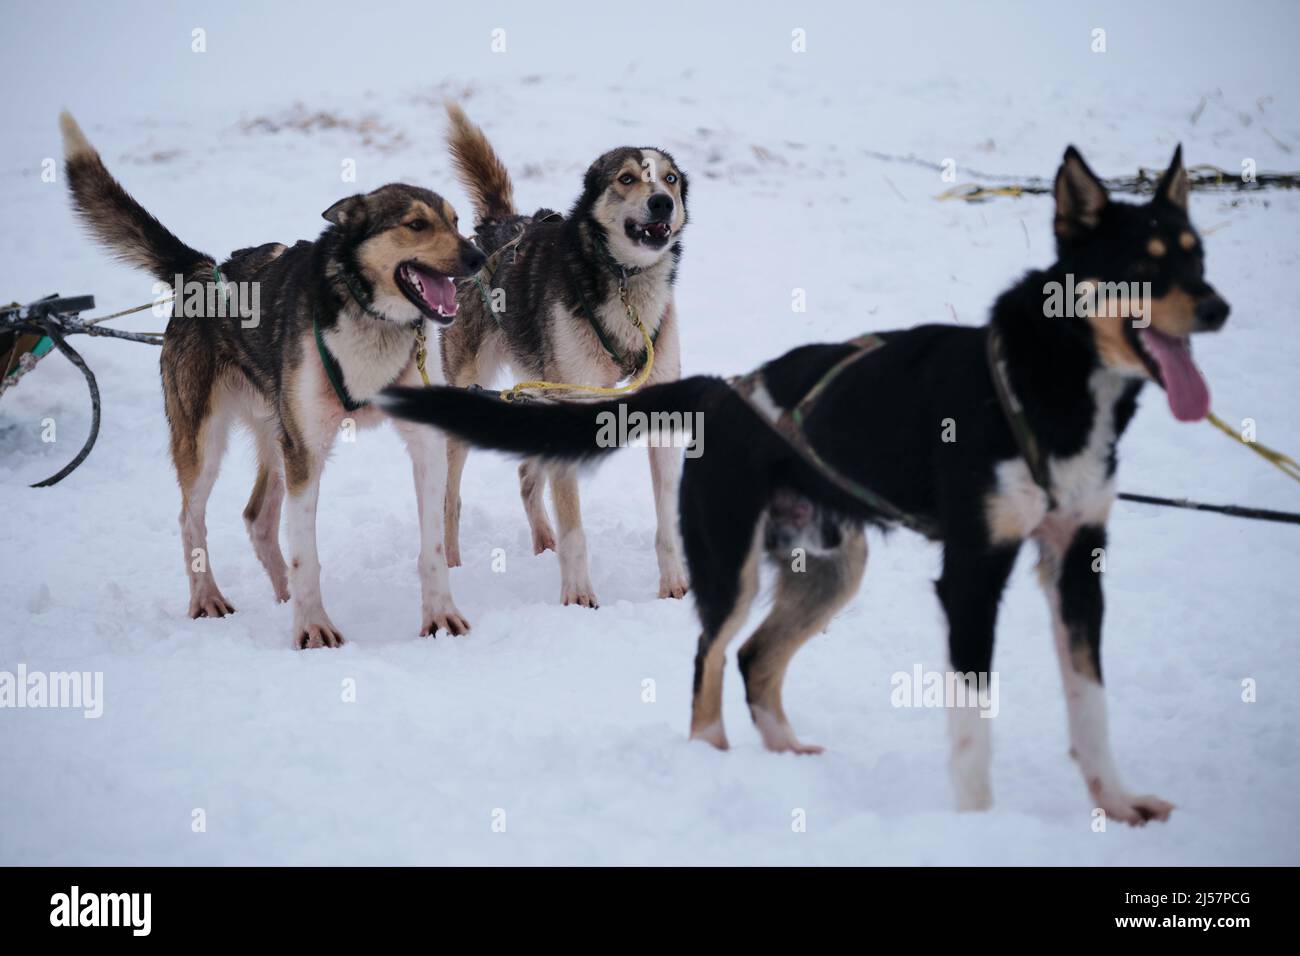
[
  {"x": 1081, "y": 484},
  {"x": 371, "y": 353}
]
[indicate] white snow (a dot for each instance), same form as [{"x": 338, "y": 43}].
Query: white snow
[{"x": 539, "y": 712}]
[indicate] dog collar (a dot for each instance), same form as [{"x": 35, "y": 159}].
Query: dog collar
[
  {"x": 620, "y": 271},
  {"x": 333, "y": 371},
  {"x": 359, "y": 294}
]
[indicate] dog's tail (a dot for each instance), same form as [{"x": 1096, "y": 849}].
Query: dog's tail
[
  {"x": 114, "y": 218},
  {"x": 565, "y": 431},
  {"x": 479, "y": 168}
]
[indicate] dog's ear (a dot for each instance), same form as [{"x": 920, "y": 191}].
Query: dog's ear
[
  {"x": 1080, "y": 197},
  {"x": 1174, "y": 185},
  {"x": 592, "y": 182},
  {"x": 347, "y": 213}
]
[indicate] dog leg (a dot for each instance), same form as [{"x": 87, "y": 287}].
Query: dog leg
[
  {"x": 428, "y": 450},
  {"x": 711, "y": 657},
  {"x": 206, "y": 599},
  {"x": 665, "y": 471},
  {"x": 457, "y": 452},
  {"x": 970, "y": 589},
  {"x": 312, "y": 627},
  {"x": 806, "y": 600},
  {"x": 575, "y": 582},
  {"x": 1074, "y": 597},
  {"x": 666, "y": 467},
  {"x": 532, "y": 485},
  {"x": 262, "y": 514}
]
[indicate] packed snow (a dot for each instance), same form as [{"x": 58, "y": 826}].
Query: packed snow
[{"x": 558, "y": 734}]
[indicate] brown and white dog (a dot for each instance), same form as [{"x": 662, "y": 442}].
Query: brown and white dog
[
  {"x": 550, "y": 309},
  {"x": 333, "y": 322}
]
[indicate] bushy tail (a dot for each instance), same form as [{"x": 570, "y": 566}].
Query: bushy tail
[
  {"x": 114, "y": 218},
  {"x": 479, "y": 168},
  {"x": 569, "y": 431}
]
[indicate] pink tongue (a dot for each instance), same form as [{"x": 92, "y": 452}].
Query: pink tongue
[
  {"x": 1189, "y": 396},
  {"x": 439, "y": 291}
]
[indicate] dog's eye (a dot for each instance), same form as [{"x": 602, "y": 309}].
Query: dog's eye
[
  {"x": 627, "y": 179},
  {"x": 670, "y": 178},
  {"x": 417, "y": 225}
]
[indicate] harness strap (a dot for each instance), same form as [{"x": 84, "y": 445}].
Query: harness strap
[
  {"x": 618, "y": 270},
  {"x": 1014, "y": 413},
  {"x": 789, "y": 424}
]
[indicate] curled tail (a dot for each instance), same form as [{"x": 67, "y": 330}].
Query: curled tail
[
  {"x": 114, "y": 218},
  {"x": 479, "y": 168},
  {"x": 567, "y": 431}
]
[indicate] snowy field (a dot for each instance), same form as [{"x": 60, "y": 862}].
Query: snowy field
[{"x": 540, "y": 712}]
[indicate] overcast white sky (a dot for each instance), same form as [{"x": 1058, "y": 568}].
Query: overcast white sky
[{"x": 133, "y": 58}]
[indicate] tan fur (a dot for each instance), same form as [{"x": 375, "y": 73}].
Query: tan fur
[
  {"x": 1174, "y": 313},
  {"x": 1156, "y": 247},
  {"x": 1187, "y": 240},
  {"x": 478, "y": 167},
  {"x": 706, "y": 705},
  {"x": 437, "y": 247},
  {"x": 1113, "y": 344},
  {"x": 804, "y": 605},
  {"x": 75, "y": 144}
]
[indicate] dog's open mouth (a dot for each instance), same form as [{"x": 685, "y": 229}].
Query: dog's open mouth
[
  {"x": 653, "y": 234},
  {"x": 433, "y": 293},
  {"x": 1169, "y": 359}
]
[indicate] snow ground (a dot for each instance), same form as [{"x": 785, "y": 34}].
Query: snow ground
[{"x": 540, "y": 711}]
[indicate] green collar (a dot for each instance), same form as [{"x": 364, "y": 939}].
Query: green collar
[
  {"x": 333, "y": 371},
  {"x": 358, "y": 293}
]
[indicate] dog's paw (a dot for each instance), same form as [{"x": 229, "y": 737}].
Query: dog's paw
[
  {"x": 447, "y": 619},
  {"x": 543, "y": 539},
  {"x": 210, "y": 602},
  {"x": 714, "y": 734},
  {"x": 453, "y": 556},
  {"x": 581, "y": 595},
  {"x": 673, "y": 585},
  {"x": 320, "y": 633},
  {"x": 281, "y": 587},
  {"x": 778, "y": 736},
  {"x": 1137, "y": 811}
]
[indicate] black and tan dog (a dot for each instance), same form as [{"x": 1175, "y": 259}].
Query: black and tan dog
[
  {"x": 886, "y": 423},
  {"x": 337, "y": 320},
  {"x": 550, "y": 309}
]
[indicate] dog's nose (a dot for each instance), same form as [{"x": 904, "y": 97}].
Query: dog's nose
[
  {"x": 1211, "y": 313},
  {"x": 472, "y": 257},
  {"x": 660, "y": 205}
]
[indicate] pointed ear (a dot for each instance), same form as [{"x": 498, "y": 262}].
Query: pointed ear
[
  {"x": 1174, "y": 186},
  {"x": 347, "y": 213},
  {"x": 1080, "y": 196}
]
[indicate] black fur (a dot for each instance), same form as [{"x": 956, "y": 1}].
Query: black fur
[{"x": 882, "y": 423}]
